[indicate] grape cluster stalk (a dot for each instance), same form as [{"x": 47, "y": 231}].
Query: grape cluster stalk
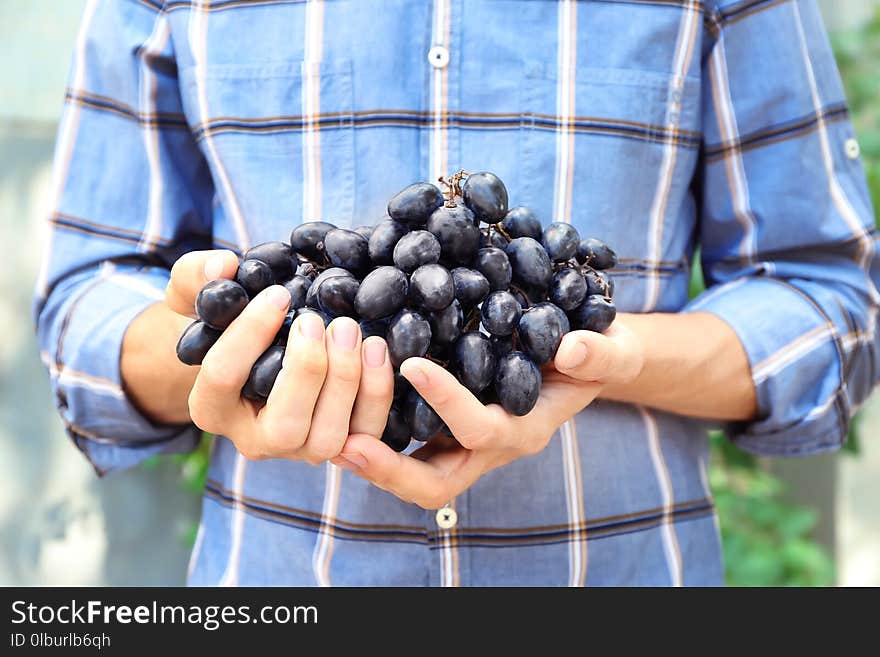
[{"x": 450, "y": 274}]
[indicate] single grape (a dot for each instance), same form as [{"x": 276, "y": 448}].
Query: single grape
[
  {"x": 486, "y": 196},
  {"x": 522, "y": 222},
  {"x": 500, "y": 313},
  {"x": 312, "y": 292},
  {"x": 409, "y": 334},
  {"x": 416, "y": 249},
  {"x": 517, "y": 383},
  {"x": 414, "y": 204},
  {"x": 423, "y": 421},
  {"x": 277, "y": 255},
  {"x": 529, "y": 263},
  {"x": 371, "y": 327},
  {"x": 364, "y": 231},
  {"x": 336, "y": 296},
  {"x": 568, "y": 289},
  {"x": 595, "y": 314},
  {"x": 471, "y": 287},
  {"x": 195, "y": 341},
  {"x": 385, "y": 237},
  {"x": 494, "y": 265},
  {"x": 383, "y": 292},
  {"x": 457, "y": 233},
  {"x": 473, "y": 361},
  {"x": 396, "y": 433},
  {"x": 560, "y": 240},
  {"x": 298, "y": 286},
  {"x": 431, "y": 287},
  {"x": 220, "y": 302},
  {"x": 346, "y": 249},
  {"x": 254, "y": 276},
  {"x": 446, "y": 323},
  {"x": 308, "y": 239},
  {"x": 263, "y": 373},
  {"x": 493, "y": 239},
  {"x": 597, "y": 283},
  {"x": 540, "y": 331},
  {"x": 596, "y": 254},
  {"x": 563, "y": 318}
]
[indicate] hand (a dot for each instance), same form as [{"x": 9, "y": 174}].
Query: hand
[
  {"x": 330, "y": 383},
  {"x": 488, "y": 437}
]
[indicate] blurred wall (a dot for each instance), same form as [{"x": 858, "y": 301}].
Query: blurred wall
[{"x": 58, "y": 522}]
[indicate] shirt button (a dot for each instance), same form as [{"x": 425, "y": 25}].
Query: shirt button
[
  {"x": 852, "y": 148},
  {"x": 446, "y": 517},
  {"x": 438, "y": 56}
]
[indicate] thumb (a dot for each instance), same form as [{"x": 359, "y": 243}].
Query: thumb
[{"x": 613, "y": 357}]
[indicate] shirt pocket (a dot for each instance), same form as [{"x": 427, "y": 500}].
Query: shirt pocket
[
  {"x": 612, "y": 149},
  {"x": 279, "y": 139}
]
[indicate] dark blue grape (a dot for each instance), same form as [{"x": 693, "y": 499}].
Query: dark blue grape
[
  {"x": 522, "y": 222},
  {"x": 486, "y": 196},
  {"x": 195, "y": 341},
  {"x": 327, "y": 274},
  {"x": 473, "y": 361},
  {"x": 500, "y": 313},
  {"x": 493, "y": 239},
  {"x": 382, "y": 293},
  {"x": 540, "y": 331},
  {"x": 383, "y": 240},
  {"x": 396, "y": 433},
  {"x": 596, "y": 254},
  {"x": 494, "y": 265},
  {"x": 457, "y": 233},
  {"x": 263, "y": 373},
  {"x": 364, "y": 231},
  {"x": 415, "y": 249},
  {"x": 371, "y": 327},
  {"x": 345, "y": 248},
  {"x": 409, "y": 334},
  {"x": 431, "y": 287},
  {"x": 277, "y": 255},
  {"x": 568, "y": 289},
  {"x": 423, "y": 421},
  {"x": 446, "y": 323},
  {"x": 471, "y": 287},
  {"x": 560, "y": 240},
  {"x": 308, "y": 239},
  {"x": 284, "y": 332},
  {"x": 414, "y": 204},
  {"x": 254, "y": 276},
  {"x": 595, "y": 314},
  {"x": 336, "y": 296},
  {"x": 597, "y": 283},
  {"x": 529, "y": 263},
  {"x": 298, "y": 287},
  {"x": 220, "y": 302},
  {"x": 402, "y": 387},
  {"x": 563, "y": 318},
  {"x": 517, "y": 383}
]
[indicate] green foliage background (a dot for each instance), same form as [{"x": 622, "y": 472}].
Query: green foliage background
[{"x": 767, "y": 542}]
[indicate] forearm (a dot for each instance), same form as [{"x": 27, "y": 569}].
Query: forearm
[
  {"x": 155, "y": 380},
  {"x": 694, "y": 365}
]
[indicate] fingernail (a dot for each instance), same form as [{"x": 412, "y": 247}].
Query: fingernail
[
  {"x": 575, "y": 356},
  {"x": 374, "y": 352},
  {"x": 214, "y": 266},
  {"x": 414, "y": 374},
  {"x": 353, "y": 461},
  {"x": 278, "y": 296},
  {"x": 344, "y": 332},
  {"x": 311, "y": 326}
]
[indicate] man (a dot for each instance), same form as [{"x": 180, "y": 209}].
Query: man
[{"x": 198, "y": 129}]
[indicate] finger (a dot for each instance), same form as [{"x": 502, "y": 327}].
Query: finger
[
  {"x": 474, "y": 425},
  {"x": 430, "y": 484},
  {"x": 287, "y": 416},
  {"x": 375, "y": 391},
  {"x": 332, "y": 413},
  {"x": 190, "y": 273},
  {"x": 604, "y": 358},
  {"x": 216, "y": 393}
]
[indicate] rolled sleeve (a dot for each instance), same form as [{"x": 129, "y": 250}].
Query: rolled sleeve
[{"x": 83, "y": 341}]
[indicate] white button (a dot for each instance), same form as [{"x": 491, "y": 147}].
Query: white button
[
  {"x": 852, "y": 148},
  {"x": 446, "y": 517},
  {"x": 438, "y": 56}
]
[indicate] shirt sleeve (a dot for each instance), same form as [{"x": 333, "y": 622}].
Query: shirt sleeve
[
  {"x": 130, "y": 194},
  {"x": 786, "y": 227}
]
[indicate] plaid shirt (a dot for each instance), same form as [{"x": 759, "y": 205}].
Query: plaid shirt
[{"x": 657, "y": 125}]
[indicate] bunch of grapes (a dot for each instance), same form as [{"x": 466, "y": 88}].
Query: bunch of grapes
[{"x": 449, "y": 275}]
